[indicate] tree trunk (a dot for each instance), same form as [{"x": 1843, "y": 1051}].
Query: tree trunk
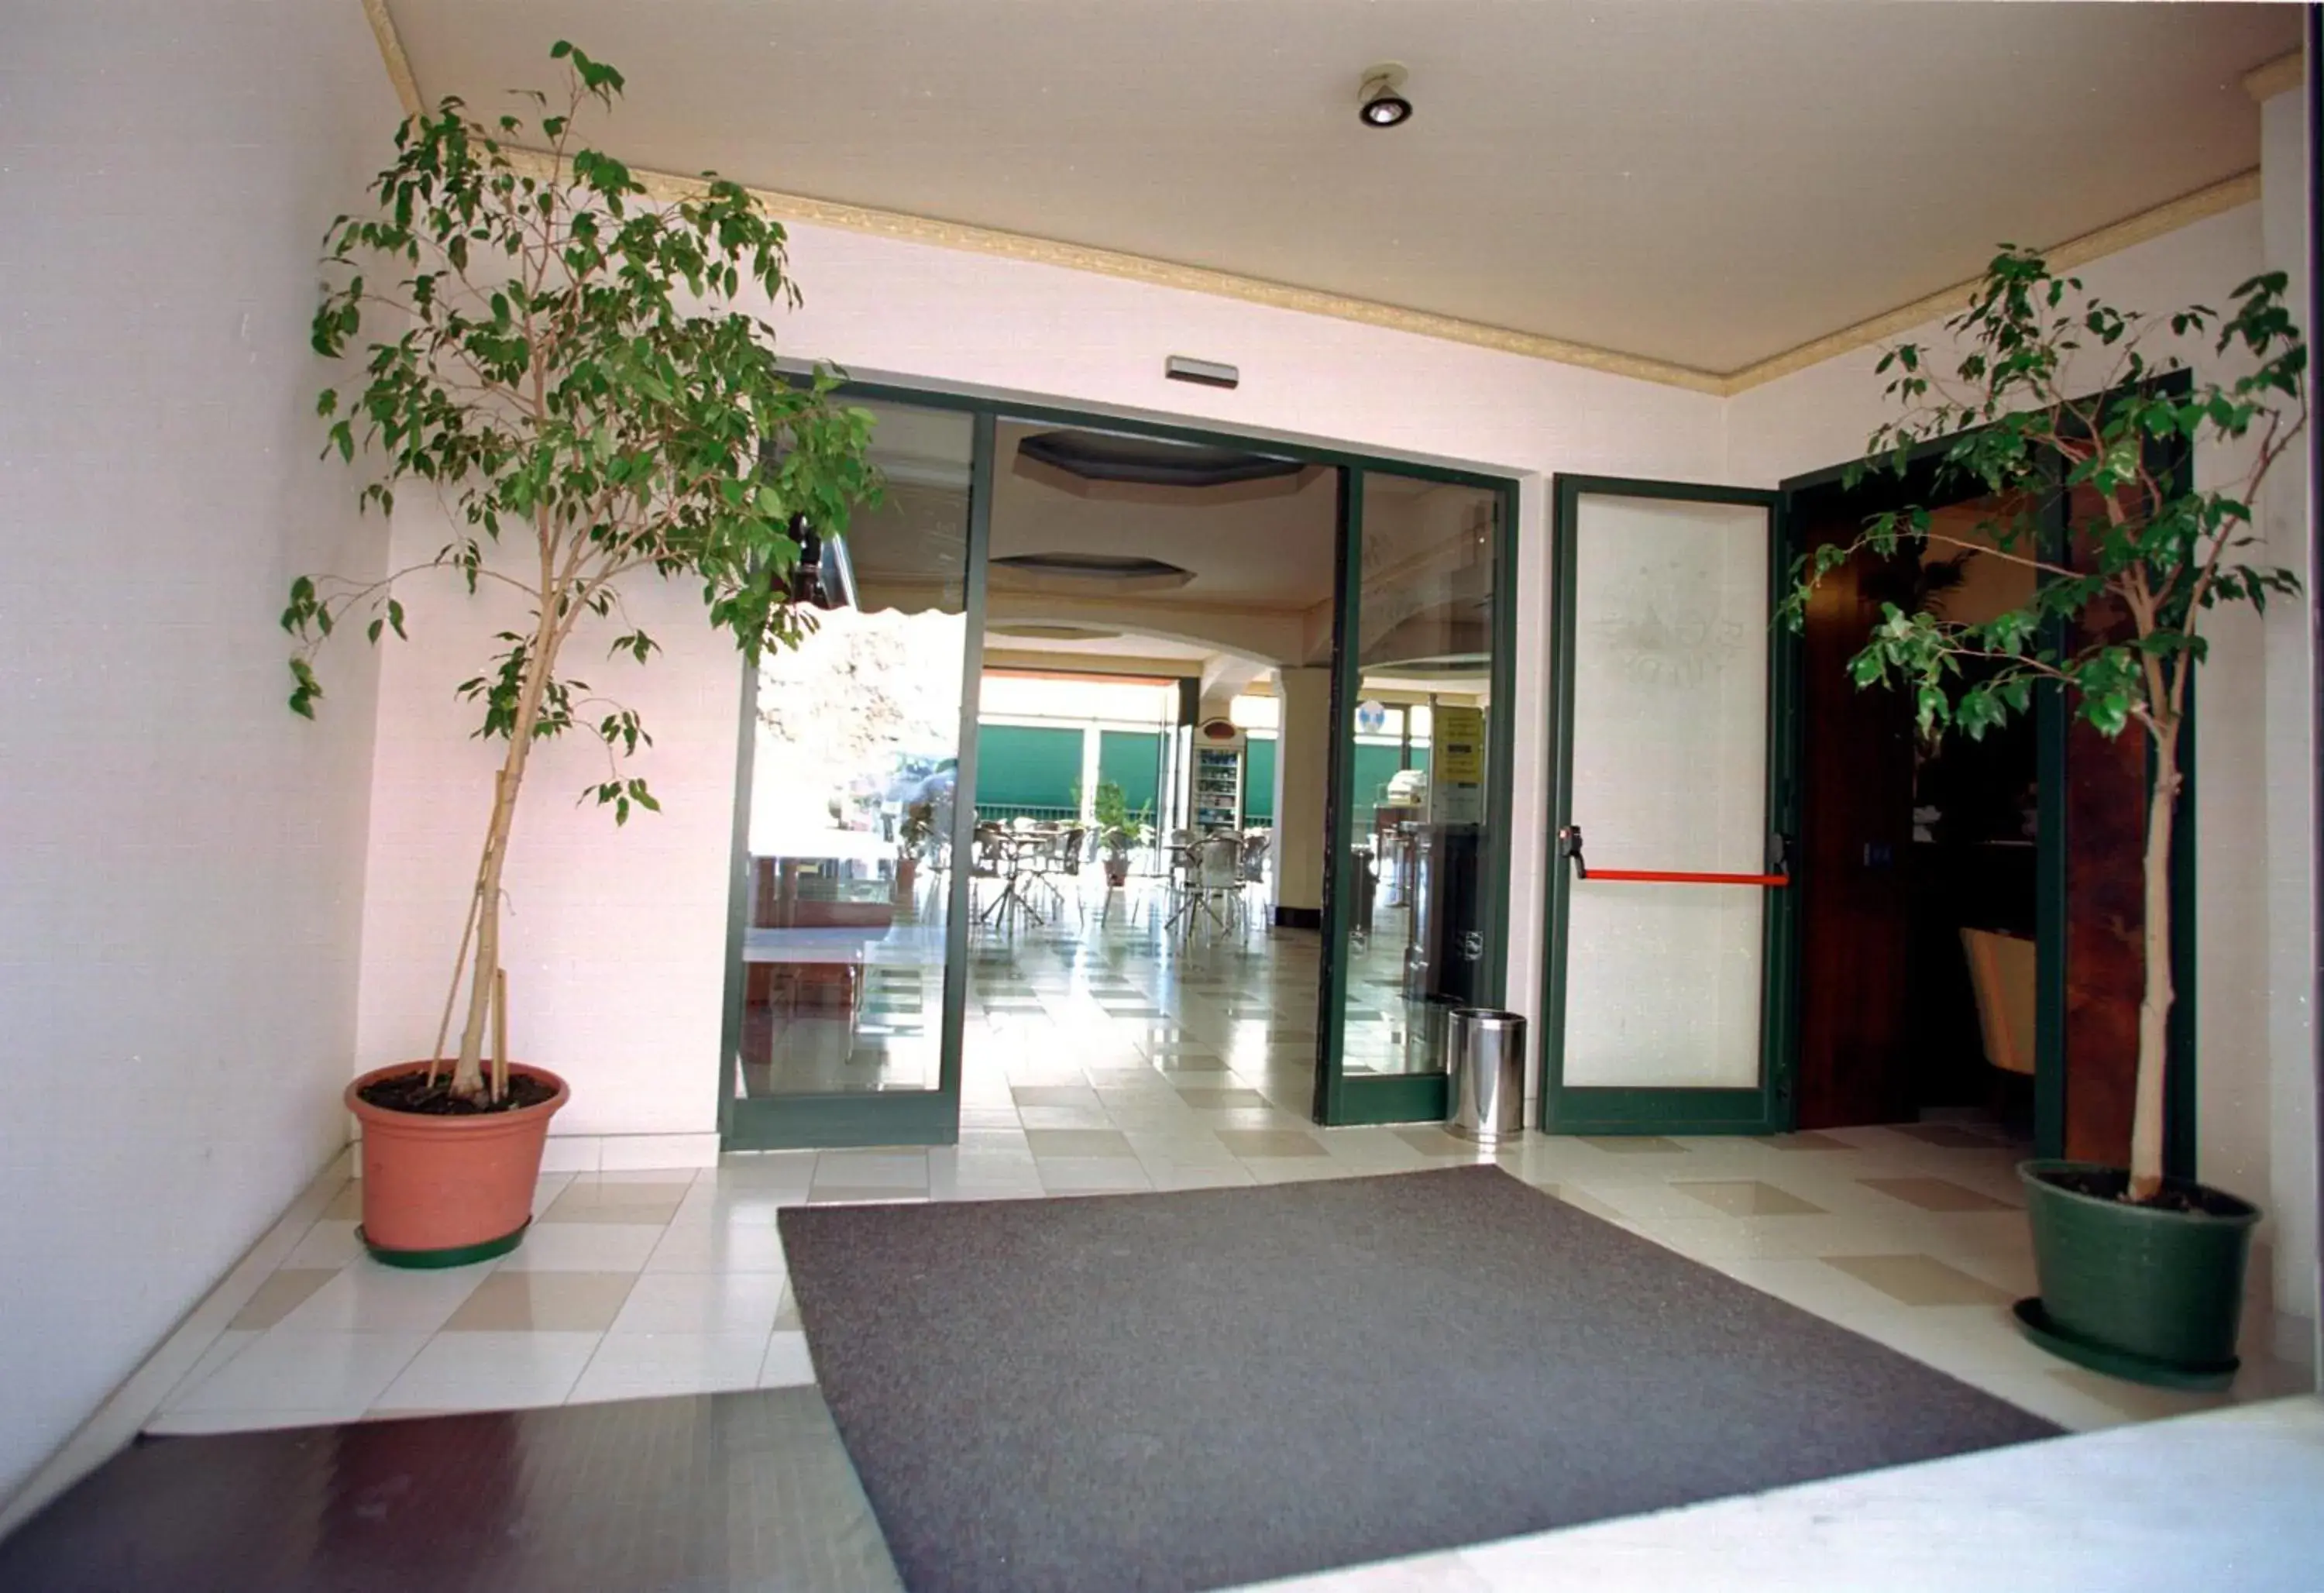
[
  {"x": 2155, "y": 1006},
  {"x": 467, "y": 1073}
]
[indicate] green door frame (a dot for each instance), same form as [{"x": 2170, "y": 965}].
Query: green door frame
[
  {"x": 2053, "y": 715},
  {"x": 1343, "y": 1100},
  {"x": 1767, "y": 1109},
  {"x": 886, "y": 1116},
  {"x": 933, "y": 1116}
]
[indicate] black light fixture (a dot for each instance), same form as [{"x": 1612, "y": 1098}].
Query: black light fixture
[{"x": 1379, "y": 102}]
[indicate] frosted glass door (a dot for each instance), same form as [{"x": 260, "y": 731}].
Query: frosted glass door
[{"x": 1666, "y": 824}]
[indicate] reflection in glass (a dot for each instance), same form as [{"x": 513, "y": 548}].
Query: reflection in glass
[
  {"x": 857, "y": 742},
  {"x": 1416, "y": 756}
]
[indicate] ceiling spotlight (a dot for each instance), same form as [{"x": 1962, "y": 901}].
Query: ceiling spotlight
[{"x": 1378, "y": 102}]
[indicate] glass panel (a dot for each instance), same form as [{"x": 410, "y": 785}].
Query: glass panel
[
  {"x": 1670, "y": 745},
  {"x": 857, "y": 742},
  {"x": 1417, "y": 759}
]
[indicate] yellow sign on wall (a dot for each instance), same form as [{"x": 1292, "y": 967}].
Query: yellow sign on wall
[
  {"x": 1459, "y": 754},
  {"x": 1456, "y": 775}
]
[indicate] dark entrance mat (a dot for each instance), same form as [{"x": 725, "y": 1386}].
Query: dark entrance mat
[
  {"x": 705, "y": 1492},
  {"x": 1195, "y": 1390}
]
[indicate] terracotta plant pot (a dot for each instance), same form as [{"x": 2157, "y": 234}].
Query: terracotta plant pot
[
  {"x": 446, "y": 1192},
  {"x": 1117, "y": 871}
]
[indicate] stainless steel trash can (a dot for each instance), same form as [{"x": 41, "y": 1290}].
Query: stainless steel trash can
[{"x": 1485, "y": 1076}]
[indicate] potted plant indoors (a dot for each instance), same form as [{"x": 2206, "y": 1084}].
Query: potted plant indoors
[
  {"x": 1117, "y": 832},
  {"x": 2141, "y": 1275},
  {"x": 562, "y": 362},
  {"x": 914, "y": 836}
]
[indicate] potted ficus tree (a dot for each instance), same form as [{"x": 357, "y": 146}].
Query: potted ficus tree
[
  {"x": 2141, "y": 1275},
  {"x": 564, "y": 364},
  {"x": 1117, "y": 832}
]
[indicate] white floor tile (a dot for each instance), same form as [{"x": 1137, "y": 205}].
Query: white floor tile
[
  {"x": 786, "y": 1362},
  {"x": 1088, "y": 1175},
  {"x": 306, "y": 1372},
  {"x": 490, "y": 1372},
  {"x": 718, "y": 1247},
  {"x": 709, "y": 1302},
  {"x": 224, "y": 1348},
  {"x": 649, "y": 1365},
  {"x": 369, "y": 1298},
  {"x": 189, "y": 1423}
]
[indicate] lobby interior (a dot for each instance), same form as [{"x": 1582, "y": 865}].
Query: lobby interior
[{"x": 216, "y": 897}]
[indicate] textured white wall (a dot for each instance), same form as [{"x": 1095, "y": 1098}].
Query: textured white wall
[
  {"x": 2291, "y": 769},
  {"x": 2253, "y": 841},
  {"x": 618, "y": 938},
  {"x": 183, "y": 859}
]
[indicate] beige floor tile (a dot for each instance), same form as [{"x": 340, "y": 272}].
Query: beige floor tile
[
  {"x": 331, "y": 1243},
  {"x": 1078, "y": 1142},
  {"x": 1583, "y": 1200},
  {"x": 1298, "y": 1169},
  {"x": 870, "y": 1195},
  {"x": 1946, "y": 1135},
  {"x": 584, "y": 1247},
  {"x": 281, "y": 1294},
  {"x": 1633, "y": 1145},
  {"x": 1055, "y": 1094},
  {"x": 1918, "y": 1280},
  {"x": 1270, "y": 1143},
  {"x": 364, "y": 1297},
  {"x": 2136, "y": 1401},
  {"x": 1432, "y": 1141},
  {"x": 546, "y": 1302},
  {"x": 1210, "y": 1100},
  {"x": 1747, "y": 1198},
  {"x": 346, "y": 1206},
  {"x": 1934, "y": 1194},
  {"x": 1809, "y": 1141}
]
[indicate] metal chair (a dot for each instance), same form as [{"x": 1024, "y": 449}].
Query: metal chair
[{"x": 1213, "y": 893}]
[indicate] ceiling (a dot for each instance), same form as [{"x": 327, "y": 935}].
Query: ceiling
[{"x": 1709, "y": 185}]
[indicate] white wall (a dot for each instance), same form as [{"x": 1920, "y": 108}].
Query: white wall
[
  {"x": 2290, "y": 771},
  {"x": 618, "y": 939},
  {"x": 2252, "y": 837},
  {"x": 183, "y": 859}
]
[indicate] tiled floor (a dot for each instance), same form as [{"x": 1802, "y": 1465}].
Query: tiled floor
[
  {"x": 1125, "y": 1073},
  {"x": 648, "y": 1282}
]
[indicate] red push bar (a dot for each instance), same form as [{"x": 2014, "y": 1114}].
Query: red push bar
[
  {"x": 1656, "y": 877},
  {"x": 1569, "y": 844}
]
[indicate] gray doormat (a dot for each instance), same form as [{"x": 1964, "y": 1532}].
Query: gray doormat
[{"x": 1201, "y": 1389}]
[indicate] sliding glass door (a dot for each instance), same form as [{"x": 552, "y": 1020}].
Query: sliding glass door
[
  {"x": 1667, "y": 1006},
  {"x": 847, "y": 946},
  {"x": 1416, "y": 895}
]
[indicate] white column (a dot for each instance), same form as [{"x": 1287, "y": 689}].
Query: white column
[
  {"x": 1303, "y": 756},
  {"x": 1091, "y": 737}
]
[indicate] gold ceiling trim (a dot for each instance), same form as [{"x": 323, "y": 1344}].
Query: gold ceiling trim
[
  {"x": 2265, "y": 82},
  {"x": 391, "y": 56},
  {"x": 2185, "y": 210},
  {"x": 2242, "y": 188}
]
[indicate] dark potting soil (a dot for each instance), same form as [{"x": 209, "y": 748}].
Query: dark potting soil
[
  {"x": 2114, "y": 1183},
  {"x": 411, "y": 1092}
]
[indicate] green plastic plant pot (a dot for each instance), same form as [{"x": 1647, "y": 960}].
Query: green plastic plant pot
[{"x": 2138, "y": 1292}]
